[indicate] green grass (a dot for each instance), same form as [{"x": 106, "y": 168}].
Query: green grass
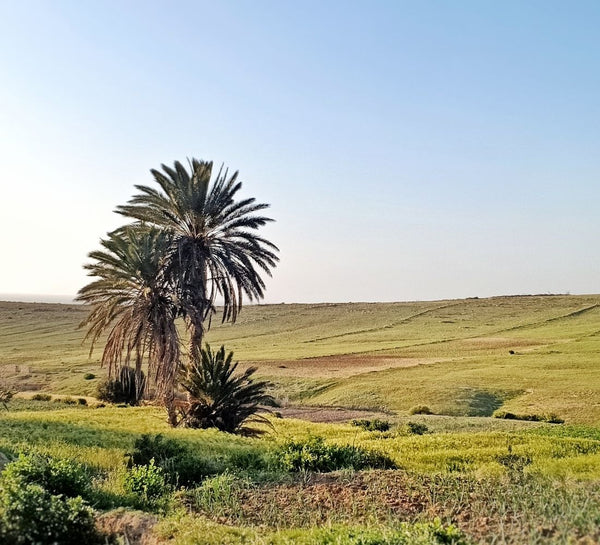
[
  {"x": 454, "y": 472},
  {"x": 497, "y": 481},
  {"x": 453, "y": 356}
]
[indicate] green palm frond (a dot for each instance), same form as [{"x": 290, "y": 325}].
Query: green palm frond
[
  {"x": 215, "y": 249},
  {"x": 221, "y": 398}
]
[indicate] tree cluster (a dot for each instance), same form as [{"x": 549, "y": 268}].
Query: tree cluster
[{"x": 189, "y": 244}]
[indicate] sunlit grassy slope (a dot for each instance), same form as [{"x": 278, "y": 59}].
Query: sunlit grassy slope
[{"x": 454, "y": 356}]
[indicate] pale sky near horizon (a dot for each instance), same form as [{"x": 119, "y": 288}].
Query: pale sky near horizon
[{"x": 409, "y": 150}]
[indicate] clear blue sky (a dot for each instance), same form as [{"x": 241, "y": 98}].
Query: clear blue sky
[{"x": 409, "y": 150}]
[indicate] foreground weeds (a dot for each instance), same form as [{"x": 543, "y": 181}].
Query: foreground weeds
[
  {"x": 149, "y": 485},
  {"x": 515, "y": 508}
]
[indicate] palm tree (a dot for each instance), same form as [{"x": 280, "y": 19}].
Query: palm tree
[
  {"x": 215, "y": 250},
  {"x": 132, "y": 303},
  {"x": 220, "y": 398}
]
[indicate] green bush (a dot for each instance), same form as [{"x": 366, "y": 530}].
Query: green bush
[
  {"x": 414, "y": 428},
  {"x": 315, "y": 455},
  {"x": 82, "y": 401},
  {"x": 41, "y": 502},
  {"x": 126, "y": 388},
  {"x": 248, "y": 460},
  {"x": 41, "y": 397},
  {"x": 372, "y": 425},
  {"x": 219, "y": 397},
  {"x": 31, "y": 515},
  {"x": 57, "y": 476},
  {"x": 181, "y": 467},
  {"x": 551, "y": 418},
  {"x": 148, "y": 485},
  {"x": 89, "y": 376},
  {"x": 420, "y": 409}
]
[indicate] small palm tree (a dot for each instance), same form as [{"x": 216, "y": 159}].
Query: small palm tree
[
  {"x": 131, "y": 302},
  {"x": 220, "y": 398},
  {"x": 215, "y": 250}
]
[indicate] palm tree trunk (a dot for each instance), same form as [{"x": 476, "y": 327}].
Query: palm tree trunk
[
  {"x": 196, "y": 338},
  {"x": 169, "y": 401}
]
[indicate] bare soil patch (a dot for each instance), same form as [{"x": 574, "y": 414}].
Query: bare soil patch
[{"x": 135, "y": 527}]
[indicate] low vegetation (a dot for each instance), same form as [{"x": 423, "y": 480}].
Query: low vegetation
[
  {"x": 492, "y": 465},
  {"x": 498, "y": 483}
]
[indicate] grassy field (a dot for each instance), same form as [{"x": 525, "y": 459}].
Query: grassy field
[
  {"x": 530, "y": 355},
  {"x": 461, "y": 476}
]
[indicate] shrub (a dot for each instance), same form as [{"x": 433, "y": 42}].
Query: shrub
[
  {"x": 68, "y": 401},
  {"x": 414, "y": 428},
  {"x": 41, "y": 503},
  {"x": 57, "y": 476},
  {"x": 89, "y": 376},
  {"x": 551, "y": 418},
  {"x": 124, "y": 389},
  {"x": 30, "y": 514},
  {"x": 372, "y": 425},
  {"x": 420, "y": 409},
  {"x": 148, "y": 484},
  {"x": 82, "y": 401},
  {"x": 314, "y": 455},
  {"x": 505, "y": 415},
  {"x": 252, "y": 460},
  {"x": 41, "y": 397},
  {"x": 221, "y": 398},
  {"x": 180, "y": 466}
]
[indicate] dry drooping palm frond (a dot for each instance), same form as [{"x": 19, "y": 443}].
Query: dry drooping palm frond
[
  {"x": 215, "y": 250},
  {"x": 220, "y": 398},
  {"x": 131, "y": 302}
]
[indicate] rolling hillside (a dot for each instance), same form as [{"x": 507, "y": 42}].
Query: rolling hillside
[{"x": 526, "y": 354}]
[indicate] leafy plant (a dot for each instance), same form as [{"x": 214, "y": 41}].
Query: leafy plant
[
  {"x": 220, "y": 398},
  {"x": 57, "y": 476},
  {"x": 147, "y": 483},
  {"x": 127, "y": 388},
  {"x": 181, "y": 467},
  {"x": 29, "y": 514},
  {"x": 192, "y": 242},
  {"x": 551, "y": 418},
  {"x": 420, "y": 409},
  {"x": 314, "y": 454},
  {"x": 372, "y": 425},
  {"x": 415, "y": 428},
  {"x": 41, "y": 397},
  {"x": 41, "y": 502}
]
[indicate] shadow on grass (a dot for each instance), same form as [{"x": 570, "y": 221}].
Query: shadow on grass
[{"x": 483, "y": 403}]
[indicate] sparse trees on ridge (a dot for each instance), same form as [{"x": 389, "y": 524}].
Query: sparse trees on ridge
[{"x": 191, "y": 242}]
